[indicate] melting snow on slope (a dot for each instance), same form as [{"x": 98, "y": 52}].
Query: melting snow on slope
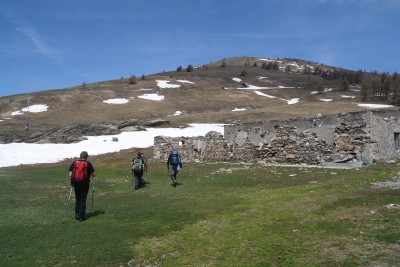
[
  {"x": 14, "y": 154},
  {"x": 32, "y": 109},
  {"x": 255, "y": 87},
  {"x": 326, "y": 99},
  {"x": 184, "y": 81},
  {"x": 262, "y": 94},
  {"x": 117, "y": 101},
  {"x": 155, "y": 97},
  {"x": 324, "y": 91},
  {"x": 348, "y": 96},
  {"x": 237, "y": 80},
  {"x": 177, "y": 113},
  {"x": 238, "y": 109},
  {"x": 165, "y": 84},
  {"x": 293, "y": 101},
  {"x": 375, "y": 106}
]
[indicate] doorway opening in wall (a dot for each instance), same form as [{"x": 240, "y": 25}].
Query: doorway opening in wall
[{"x": 397, "y": 141}]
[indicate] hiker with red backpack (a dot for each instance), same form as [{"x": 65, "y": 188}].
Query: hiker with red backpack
[
  {"x": 174, "y": 164},
  {"x": 80, "y": 172}
]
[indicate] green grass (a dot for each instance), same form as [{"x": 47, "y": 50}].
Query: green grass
[{"x": 260, "y": 216}]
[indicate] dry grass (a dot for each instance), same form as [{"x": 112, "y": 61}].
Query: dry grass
[{"x": 206, "y": 100}]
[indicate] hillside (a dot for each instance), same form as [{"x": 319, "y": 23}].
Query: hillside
[{"x": 208, "y": 93}]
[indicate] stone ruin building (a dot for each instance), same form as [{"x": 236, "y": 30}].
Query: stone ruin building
[{"x": 360, "y": 137}]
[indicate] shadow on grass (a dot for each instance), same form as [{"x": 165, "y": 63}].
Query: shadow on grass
[
  {"x": 177, "y": 184},
  {"x": 95, "y": 213}
]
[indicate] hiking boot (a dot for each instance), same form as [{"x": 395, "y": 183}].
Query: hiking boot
[{"x": 174, "y": 184}]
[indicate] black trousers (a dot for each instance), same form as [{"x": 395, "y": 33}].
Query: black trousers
[
  {"x": 138, "y": 180},
  {"x": 81, "y": 193}
]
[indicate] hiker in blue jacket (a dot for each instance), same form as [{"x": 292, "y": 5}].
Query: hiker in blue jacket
[{"x": 174, "y": 164}]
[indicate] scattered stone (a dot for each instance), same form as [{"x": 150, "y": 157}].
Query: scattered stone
[{"x": 156, "y": 122}]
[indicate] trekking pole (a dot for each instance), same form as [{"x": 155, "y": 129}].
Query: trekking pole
[
  {"x": 66, "y": 205},
  {"x": 94, "y": 180}
]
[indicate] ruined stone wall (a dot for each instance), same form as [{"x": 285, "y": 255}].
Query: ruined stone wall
[
  {"x": 363, "y": 135},
  {"x": 384, "y": 128},
  {"x": 290, "y": 145},
  {"x": 211, "y": 147}
]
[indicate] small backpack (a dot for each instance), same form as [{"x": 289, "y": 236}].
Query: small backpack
[
  {"x": 137, "y": 165},
  {"x": 174, "y": 158},
  {"x": 80, "y": 171}
]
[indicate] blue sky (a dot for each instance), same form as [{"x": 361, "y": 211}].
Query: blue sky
[{"x": 54, "y": 44}]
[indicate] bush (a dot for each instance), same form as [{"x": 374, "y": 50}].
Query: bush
[{"x": 132, "y": 80}]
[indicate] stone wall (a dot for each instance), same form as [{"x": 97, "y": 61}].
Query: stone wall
[{"x": 361, "y": 135}]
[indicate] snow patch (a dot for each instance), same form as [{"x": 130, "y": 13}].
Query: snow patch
[
  {"x": 348, "y": 96},
  {"x": 32, "y": 109},
  {"x": 177, "y": 113},
  {"x": 323, "y": 91},
  {"x": 155, "y": 97},
  {"x": 375, "y": 106},
  {"x": 165, "y": 84},
  {"x": 262, "y": 94},
  {"x": 15, "y": 154},
  {"x": 17, "y": 113},
  {"x": 116, "y": 101},
  {"x": 255, "y": 87},
  {"x": 293, "y": 101},
  {"x": 184, "y": 81},
  {"x": 238, "y": 109}
]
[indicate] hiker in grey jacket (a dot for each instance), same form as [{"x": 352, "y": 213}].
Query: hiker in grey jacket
[{"x": 138, "y": 166}]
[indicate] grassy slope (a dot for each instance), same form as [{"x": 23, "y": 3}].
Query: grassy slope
[
  {"x": 205, "y": 100},
  {"x": 259, "y": 216}
]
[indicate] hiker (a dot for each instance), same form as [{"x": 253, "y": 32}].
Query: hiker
[
  {"x": 174, "y": 164},
  {"x": 79, "y": 174},
  {"x": 138, "y": 166},
  {"x": 145, "y": 167}
]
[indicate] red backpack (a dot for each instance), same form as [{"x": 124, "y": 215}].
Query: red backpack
[{"x": 80, "y": 171}]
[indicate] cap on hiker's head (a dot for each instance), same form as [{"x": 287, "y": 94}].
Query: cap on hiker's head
[
  {"x": 84, "y": 155},
  {"x": 139, "y": 154}
]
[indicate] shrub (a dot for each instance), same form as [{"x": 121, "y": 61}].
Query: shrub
[{"x": 132, "y": 80}]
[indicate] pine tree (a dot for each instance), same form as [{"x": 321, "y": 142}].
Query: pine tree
[{"x": 189, "y": 68}]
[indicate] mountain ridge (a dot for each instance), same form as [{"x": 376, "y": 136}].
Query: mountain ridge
[{"x": 206, "y": 93}]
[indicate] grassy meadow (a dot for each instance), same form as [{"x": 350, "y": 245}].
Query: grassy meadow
[{"x": 221, "y": 214}]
